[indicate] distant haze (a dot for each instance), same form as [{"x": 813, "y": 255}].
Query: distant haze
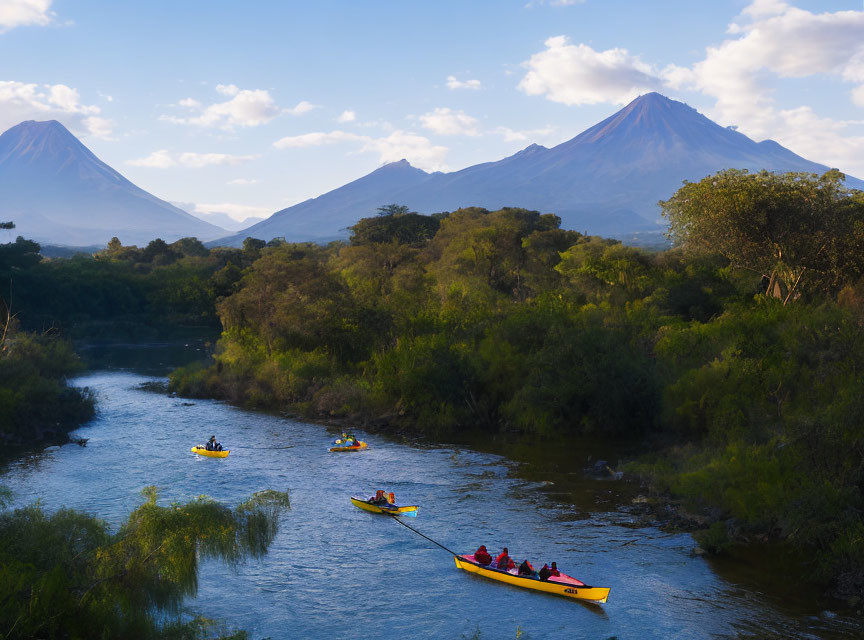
[{"x": 219, "y": 218}]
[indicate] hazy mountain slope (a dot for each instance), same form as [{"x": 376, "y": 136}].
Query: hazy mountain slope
[
  {"x": 326, "y": 216},
  {"x": 613, "y": 174},
  {"x": 57, "y": 191},
  {"x": 607, "y": 180}
]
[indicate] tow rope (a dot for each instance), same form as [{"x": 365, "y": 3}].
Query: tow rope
[{"x": 396, "y": 519}]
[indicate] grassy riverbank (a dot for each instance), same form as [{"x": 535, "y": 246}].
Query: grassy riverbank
[{"x": 734, "y": 358}]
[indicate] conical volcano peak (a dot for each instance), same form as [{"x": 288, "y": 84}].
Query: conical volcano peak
[
  {"x": 34, "y": 139},
  {"x": 57, "y": 191},
  {"x": 33, "y": 129},
  {"x": 654, "y": 116}
]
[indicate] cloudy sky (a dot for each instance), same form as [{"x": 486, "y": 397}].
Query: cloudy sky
[{"x": 249, "y": 107}]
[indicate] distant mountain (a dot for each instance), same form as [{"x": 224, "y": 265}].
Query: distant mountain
[
  {"x": 58, "y": 192},
  {"x": 219, "y": 218},
  {"x": 225, "y": 221},
  {"x": 607, "y": 180},
  {"x": 325, "y": 217}
]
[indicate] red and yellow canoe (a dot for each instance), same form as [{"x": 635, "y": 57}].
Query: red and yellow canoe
[
  {"x": 355, "y": 447},
  {"x": 394, "y": 510},
  {"x": 562, "y": 585}
]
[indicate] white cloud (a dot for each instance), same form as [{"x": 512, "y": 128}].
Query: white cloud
[
  {"x": 449, "y": 122},
  {"x": 243, "y": 181},
  {"x": 246, "y": 108},
  {"x": 164, "y": 159},
  {"x": 418, "y": 149},
  {"x": 30, "y": 101},
  {"x": 454, "y": 83},
  {"x": 99, "y": 127},
  {"x": 577, "y": 74},
  {"x": 301, "y": 108},
  {"x": 19, "y": 13},
  {"x": 347, "y": 116},
  {"x": 511, "y": 135},
  {"x": 770, "y": 41},
  {"x": 316, "y": 139},
  {"x": 228, "y": 89}
]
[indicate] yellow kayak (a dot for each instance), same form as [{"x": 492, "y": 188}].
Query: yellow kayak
[
  {"x": 355, "y": 447},
  {"x": 395, "y": 510},
  {"x": 562, "y": 585},
  {"x": 202, "y": 451}
]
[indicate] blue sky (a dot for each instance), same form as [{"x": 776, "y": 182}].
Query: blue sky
[{"x": 248, "y": 107}]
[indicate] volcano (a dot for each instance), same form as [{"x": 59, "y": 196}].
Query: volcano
[
  {"x": 58, "y": 192},
  {"x": 607, "y": 180}
]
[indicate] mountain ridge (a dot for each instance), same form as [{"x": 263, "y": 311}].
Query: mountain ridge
[{"x": 606, "y": 180}]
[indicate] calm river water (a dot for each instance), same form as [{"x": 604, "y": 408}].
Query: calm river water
[{"x": 337, "y": 572}]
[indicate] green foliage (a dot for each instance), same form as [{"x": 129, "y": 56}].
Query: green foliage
[
  {"x": 66, "y": 575},
  {"x": 798, "y": 231},
  {"x": 36, "y": 404},
  {"x": 123, "y": 289}
]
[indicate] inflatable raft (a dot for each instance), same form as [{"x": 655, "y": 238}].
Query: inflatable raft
[
  {"x": 201, "y": 450},
  {"x": 562, "y": 585},
  {"x": 395, "y": 510},
  {"x": 355, "y": 447}
]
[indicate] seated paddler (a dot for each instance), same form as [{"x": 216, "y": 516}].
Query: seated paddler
[
  {"x": 525, "y": 569},
  {"x": 482, "y": 556},
  {"x": 379, "y": 499},
  {"x": 504, "y": 562}
]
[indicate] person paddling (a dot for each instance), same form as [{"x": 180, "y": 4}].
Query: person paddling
[
  {"x": 525, "y": 569},
  {"x": 379, "y": 499},
  {"x": 482, "y": 556},
  {"x": 504, "y": 562},
  {"x": 212, "y": 445},
  {"x": 544, "y": 572},
  {"x": 553, "y": 571}
]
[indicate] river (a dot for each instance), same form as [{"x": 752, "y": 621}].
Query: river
[{"x": 337, "y": 572}]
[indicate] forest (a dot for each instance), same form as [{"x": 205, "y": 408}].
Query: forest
[{"x": 734, "y": 356}]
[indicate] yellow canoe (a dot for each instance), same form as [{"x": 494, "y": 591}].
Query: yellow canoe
[
  {"x": 360, "y": 503},
  {"x": 562, "y": 585},
  {"x": 202, "y": 451},
  {"x": 355, "y": 447}
]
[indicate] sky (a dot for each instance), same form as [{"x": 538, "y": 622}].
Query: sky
[{"x": 250, "y": 107}]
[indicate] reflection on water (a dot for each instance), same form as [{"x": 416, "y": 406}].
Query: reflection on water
[{"x": 335, "y": 571}]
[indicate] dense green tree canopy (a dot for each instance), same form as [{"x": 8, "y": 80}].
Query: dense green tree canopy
[
  {"x": 67, "y": 575},
  {"x": 798, "y": 231}
]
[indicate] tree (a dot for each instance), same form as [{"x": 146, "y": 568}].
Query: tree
[
  {"x": 66, "y": 575},
  {"x": 408, "y": 228},
  {"x": 7, "y": 225},
  {"x": 393, "y": 210},
  {"x": 794, "y": 230}
]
